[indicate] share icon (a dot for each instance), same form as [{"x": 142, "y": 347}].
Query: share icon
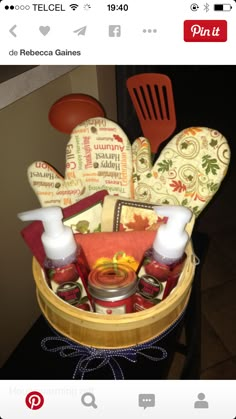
[{"x": 81, "y": 31}]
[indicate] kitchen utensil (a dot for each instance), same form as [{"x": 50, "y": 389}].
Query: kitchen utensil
[
  {"x": 152, "y": 97},
  {"x": 71, "y": 110}
]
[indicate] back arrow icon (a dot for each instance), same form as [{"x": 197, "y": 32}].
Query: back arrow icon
[{"x": 12, "y": 30}]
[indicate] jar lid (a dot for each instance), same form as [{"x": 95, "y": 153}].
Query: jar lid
[{"x": 112, "y": 280}]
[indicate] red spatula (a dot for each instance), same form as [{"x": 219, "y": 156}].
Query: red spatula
[{"x": 153, "y": 100}]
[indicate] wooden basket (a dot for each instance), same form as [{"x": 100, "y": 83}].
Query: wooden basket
[{"x": 114, "y": 331}]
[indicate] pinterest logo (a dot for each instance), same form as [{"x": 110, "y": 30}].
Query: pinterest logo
[{"x": 34, "y": 400}]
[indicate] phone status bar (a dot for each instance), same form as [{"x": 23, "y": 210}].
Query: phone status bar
[{"x": 72, "y": 7}]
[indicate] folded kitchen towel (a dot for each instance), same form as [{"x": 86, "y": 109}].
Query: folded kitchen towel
[
  {"x": 126, "y": 247},
  {"x": 120, "y": 214}
]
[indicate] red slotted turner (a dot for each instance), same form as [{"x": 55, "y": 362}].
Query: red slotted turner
[{"x": 153, "y": 100}]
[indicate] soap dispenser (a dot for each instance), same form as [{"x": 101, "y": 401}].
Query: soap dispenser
[
  {"x": 171, "y": 238},
  {"x": 162, "y": 264},
  {"x": 65, "y": 265}
]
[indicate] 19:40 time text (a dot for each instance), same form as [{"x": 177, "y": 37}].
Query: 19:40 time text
[{"x": 114, "y": 7}]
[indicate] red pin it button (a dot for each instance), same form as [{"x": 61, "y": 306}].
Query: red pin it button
[{"x": 205, "y": 30}]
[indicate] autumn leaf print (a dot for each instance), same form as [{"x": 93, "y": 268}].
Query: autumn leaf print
[
  {"x": 164, "y": 166},
  {"x": 213, "y": 187},
  {"x": 142, "y": 160},
  {"x": 81, "y": 226},
  {"x": 196, "y": 211},
  {"x": 136, "y": 177},
  {"x": 210, "y": 165},
  {"x": 184, "y": 145},
  {"x": 213, "y": 143},
  {"x": 192, "y": 131},
  {"x": 139, "y": 223},
  {"x": 118, "y": 138},
  {"x": 178, "y": 186}
]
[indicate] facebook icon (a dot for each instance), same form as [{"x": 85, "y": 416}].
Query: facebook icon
[{"x": 114, "y": 30}]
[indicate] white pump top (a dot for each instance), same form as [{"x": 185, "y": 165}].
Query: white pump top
[
  {"x": 171, "y": 238},
  {"x": 58, "y": 239}
]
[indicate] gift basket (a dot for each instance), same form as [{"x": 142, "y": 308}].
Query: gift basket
[{"x": 132, "y": 221}]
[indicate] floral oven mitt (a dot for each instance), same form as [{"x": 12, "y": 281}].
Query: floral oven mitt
[
  {"x": 98, "y": 157},
  {"x": 188, "y": 171}
]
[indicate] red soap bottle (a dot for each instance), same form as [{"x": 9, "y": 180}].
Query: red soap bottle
[
  {"x": 165, "y": 260},
  {"x": 65, "y": 262}
]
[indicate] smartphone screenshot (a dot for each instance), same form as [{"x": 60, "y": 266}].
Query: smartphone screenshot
[{"x": 117, "y": 217}]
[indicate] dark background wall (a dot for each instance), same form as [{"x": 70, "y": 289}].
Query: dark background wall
[{"x": 204, "y": 95}]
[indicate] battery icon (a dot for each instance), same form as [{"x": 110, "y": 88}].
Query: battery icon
[{"x": 226, "y": 7}]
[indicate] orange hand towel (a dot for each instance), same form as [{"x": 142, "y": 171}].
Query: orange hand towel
[{"x": 120, "y": 246}]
